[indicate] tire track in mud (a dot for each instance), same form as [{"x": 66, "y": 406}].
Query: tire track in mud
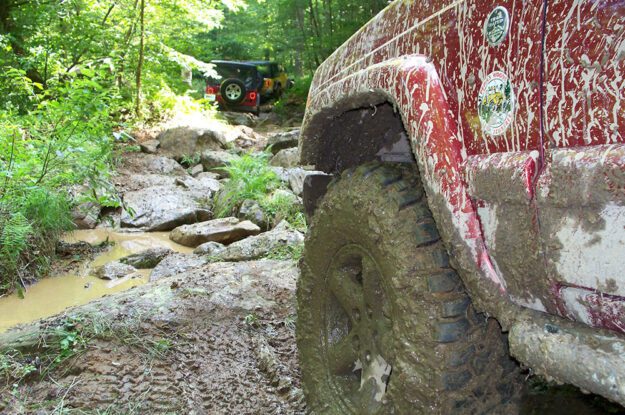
[{"x": 194, "y": 354}]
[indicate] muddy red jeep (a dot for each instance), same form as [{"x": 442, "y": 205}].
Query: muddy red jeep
[{"x": 474, "y": 207}]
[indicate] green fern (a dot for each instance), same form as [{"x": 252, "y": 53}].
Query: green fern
[
  {"x": 250, "y": 178},
  {"x": 14, "y": 240},
  {"x": 49, "y": 212}
]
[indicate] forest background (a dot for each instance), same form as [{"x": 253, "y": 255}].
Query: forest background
[{"x": 77, "y": 76}]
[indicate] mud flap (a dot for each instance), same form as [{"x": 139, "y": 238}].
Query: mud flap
[{"x": 315, "y": 187}]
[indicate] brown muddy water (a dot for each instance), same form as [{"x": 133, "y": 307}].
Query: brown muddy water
[{"x": 52, "y": 295}]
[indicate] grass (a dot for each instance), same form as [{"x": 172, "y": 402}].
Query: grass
[
  {"x": 286, "y": 252},
  {"x": 71, "y": 337},
  {"x": 283, "y": 206},
  {"x": 29, "y": 225},
  {"x": 251, "y": 178}
]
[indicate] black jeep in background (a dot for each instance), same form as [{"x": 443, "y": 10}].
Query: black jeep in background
[{"x": 237, "y": 86}]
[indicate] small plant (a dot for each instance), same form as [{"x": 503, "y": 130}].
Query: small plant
[
  {"x": 251, "y": 320},
  {"x": 283, "y": 206},
  {"x": 250, "y": 178},
  {"x": 190, "y": 160},
  {"x": 290, "y": 322},
  {"x": 14, "y": 238},
  {"x": 286, "y": 252}
]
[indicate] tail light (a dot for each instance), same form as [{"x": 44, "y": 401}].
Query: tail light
[
  {"x": 211, "y": 90},
  {"x": 253, "y": 96}
]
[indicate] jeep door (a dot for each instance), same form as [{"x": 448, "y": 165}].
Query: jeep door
[{"x": 581, "y": 195}]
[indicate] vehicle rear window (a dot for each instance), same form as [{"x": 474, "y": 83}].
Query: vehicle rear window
[{"x": 232, "y": 71}]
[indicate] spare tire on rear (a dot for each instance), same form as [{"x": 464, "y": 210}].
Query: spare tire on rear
[{"x": 232, "y": 91}]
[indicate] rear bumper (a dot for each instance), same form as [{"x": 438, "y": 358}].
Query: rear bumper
[{"x": 569, "y": 352}]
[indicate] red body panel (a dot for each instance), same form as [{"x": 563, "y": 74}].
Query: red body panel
[
  {"x": 431, "y": 59},
  {"x": 584, "y": 73}
]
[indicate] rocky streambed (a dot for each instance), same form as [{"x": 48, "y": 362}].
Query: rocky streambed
[
  {"x": 202, "y": 319},
  {"x": 198, "y": 312}
]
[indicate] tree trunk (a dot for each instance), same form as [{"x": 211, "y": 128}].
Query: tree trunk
[{"x": 140, "y": 63}]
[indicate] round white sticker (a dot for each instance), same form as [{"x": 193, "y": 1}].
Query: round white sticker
[{"x": 496, "y": 103}]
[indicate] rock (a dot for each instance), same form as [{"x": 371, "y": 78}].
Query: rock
[
  {"x": 85, "y": 215},
  {"x": 163, "y": 165},
  {"x": 149, "y": 146},
  {"x": 114, "y": 270},
  {"x": 251, "y": 210},
  {"x": 208, "y": 175},
  {"x": 240, "y": 118},
  {"x": 285, "y": 194},
  {"x": 146, "y": 259},
  {"x": 288, "y": 157},
  {"x": 196, "y": 170},
  {"x": 188, "y": 140},
  {"x": 282, "y": 140},
  {"x": 214, "y": 161},
  {"x": 162, "y": 208},
  {"x": 297, "y": 177},
  {"x": 65, "y": 249},
  {"x": 259, "y": 246},
  {"x": 282, "y": 173},
  {"x": 225, "y": 230},
  {"x": 247, "y": 137},
  {"x": 268, "y": 118},
  {"x": 175, "y": 264},
  {"x": 128, "y": 181},
  {"x": 204, "y": 185},
  {"x": 209, "y": 248}
]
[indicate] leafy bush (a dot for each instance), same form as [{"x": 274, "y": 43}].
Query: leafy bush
[
  {"x": 250, "y": 178},
  {"x": 65, "y": 139},
  {"x": 279, "y": 207},
  {"x": 294, "y": 99}
]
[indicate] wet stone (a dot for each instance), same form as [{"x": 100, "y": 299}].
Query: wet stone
[
  {"x": 149, "y": 146},
  {"x": 149, "y": 258},
  {"x": 225, "y": 230},
  {"x": 209, "y": 249},
  {"x": 176, "y": 264},
  {"x": 286, "y": 158},
  {"x": 85, "y": 215},
  {"x": 259, "y": 246},
  {"x": 195, "y": 170},
  {"x": 114, "y": 270},
  {"x": 251, "y": 210},
  {"x": 282, "y": 140},
  {"x": 188, "y": 140},
  {"x": 215, "y": 161}
]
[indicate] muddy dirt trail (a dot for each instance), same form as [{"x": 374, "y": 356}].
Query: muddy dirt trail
[{"x": 188, "y": 333}]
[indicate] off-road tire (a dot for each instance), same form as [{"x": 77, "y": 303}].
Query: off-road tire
[
  {"x": 232, "y": 83},
  {"x": 445, "y": 357}
]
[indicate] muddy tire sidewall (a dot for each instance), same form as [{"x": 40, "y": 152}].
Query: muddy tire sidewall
[{"x": 382, "y": 209}]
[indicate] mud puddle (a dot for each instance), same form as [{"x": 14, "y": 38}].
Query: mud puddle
[{"x": 52, "y": 295}]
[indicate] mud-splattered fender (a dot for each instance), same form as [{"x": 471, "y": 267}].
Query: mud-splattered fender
[{"x": 412, "y": 85}]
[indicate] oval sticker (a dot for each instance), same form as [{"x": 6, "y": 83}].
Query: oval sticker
[
  {"x": 496, "y": 26},
  {"x": 496, "y": 103}
]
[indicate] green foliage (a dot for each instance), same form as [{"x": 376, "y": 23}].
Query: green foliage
[
  {"x": 282, "y": 206},
  {"x": 16, "y": 231},
  {"x": 250, "y": 178},
  {"x": 48, "y": 212},
  {"x": 298, "y": 33},
  {"x": 64, "y": 139},
  {"x": 286, "y": 252},
  {"x": 190, "y": 160}
]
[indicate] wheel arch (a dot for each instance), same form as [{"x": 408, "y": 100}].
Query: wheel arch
[{"x": 362, "y": 117}]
